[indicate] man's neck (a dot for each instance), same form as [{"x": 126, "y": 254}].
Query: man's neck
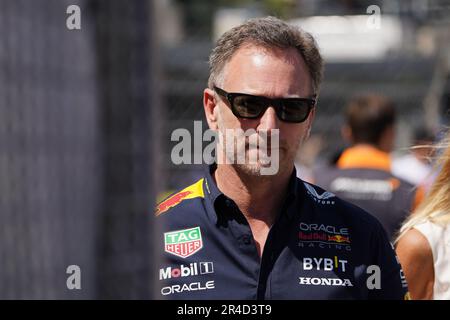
[{"x": 258, "y": 197}]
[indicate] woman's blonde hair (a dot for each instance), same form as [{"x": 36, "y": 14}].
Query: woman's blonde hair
[{"x": 436, "y": 205}]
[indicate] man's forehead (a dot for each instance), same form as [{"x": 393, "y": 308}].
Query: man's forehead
[
  {"x": 254, "y": 65},
  {"x": 258, "y": 52}
]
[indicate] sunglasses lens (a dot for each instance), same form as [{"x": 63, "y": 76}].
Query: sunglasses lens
[
  {"x": 248, "y": 106},
  {"x": 252, "y": 107},
  {"x": 294, "y": 110}
]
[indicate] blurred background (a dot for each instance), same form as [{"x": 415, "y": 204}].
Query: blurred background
[{"x": 86, "y": 118}]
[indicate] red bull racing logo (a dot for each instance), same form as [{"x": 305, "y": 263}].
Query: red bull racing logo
[
  {"x": 193, "y": 191},
  {"x": 324, "y": 236},
  {"x": 339, "y": 239},
  {"x": 172, "y": 202}
]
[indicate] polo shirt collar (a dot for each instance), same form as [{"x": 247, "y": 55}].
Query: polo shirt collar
[{"x": 219, "y": 201}]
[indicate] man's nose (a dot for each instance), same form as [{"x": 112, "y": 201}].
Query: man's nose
[{"x": 269, "y": 120}]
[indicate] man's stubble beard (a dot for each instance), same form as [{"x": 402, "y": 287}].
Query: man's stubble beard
[{"x": 286, "y": 156}]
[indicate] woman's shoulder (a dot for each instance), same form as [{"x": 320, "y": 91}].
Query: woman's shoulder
[
  {"x": 416, "y": 258},
  {"x": 433, "y": 231},
  {"x": 414, "y": 243}
]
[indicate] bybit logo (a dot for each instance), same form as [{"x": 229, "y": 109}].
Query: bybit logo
[{"x": 326, "y": 264}]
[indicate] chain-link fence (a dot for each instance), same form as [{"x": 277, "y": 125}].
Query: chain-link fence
[{"x": 76, "y": 146}]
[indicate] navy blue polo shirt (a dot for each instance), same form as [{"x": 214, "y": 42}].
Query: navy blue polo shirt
[{"x": 320, "y": 247}]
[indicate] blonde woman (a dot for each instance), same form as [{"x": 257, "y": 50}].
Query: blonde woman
[{"x": 423, "y": 246}]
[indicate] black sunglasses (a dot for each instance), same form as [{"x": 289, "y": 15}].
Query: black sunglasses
[{"x": 252, "y": 107}]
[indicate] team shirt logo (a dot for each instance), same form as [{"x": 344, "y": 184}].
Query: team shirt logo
[
  {"x": 324, "y": 236},
  {"x": 191, "y": 192},
  {"x": 331, "y": 265},
  {"x": 324, "y": 198},
  {"x": 183, "y": 243},
  {"x": 193, "y": 269},
  {"x": 172, "y": 201}
]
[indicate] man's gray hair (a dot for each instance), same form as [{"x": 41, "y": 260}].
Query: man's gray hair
[{"x": 269, "y": 32}]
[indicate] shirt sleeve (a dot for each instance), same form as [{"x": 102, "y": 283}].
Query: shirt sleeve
[{"x": 387, "y": 282}]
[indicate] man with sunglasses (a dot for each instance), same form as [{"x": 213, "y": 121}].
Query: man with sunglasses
[{"x": 241, "y": 234}]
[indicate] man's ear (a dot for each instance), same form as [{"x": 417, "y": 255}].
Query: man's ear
[{"x": 209, "y": 105}]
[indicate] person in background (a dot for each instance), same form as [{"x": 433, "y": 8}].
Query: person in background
[
  {"x": 362, "y": 174},
  {"x": 415, "y": 167},
  {"x": 423, "y": 246}
]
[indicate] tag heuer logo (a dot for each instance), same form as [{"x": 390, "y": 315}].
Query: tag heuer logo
[{"x": 183, "y": 243}]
